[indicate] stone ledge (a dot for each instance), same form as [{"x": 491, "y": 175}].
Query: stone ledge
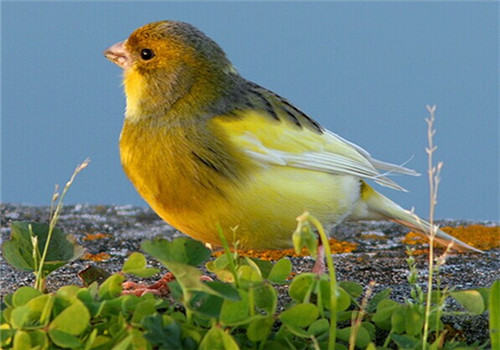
[{"x": 380, "y": 255}]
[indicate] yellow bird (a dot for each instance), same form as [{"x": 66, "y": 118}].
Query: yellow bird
[{"x": 204, "y": 146}]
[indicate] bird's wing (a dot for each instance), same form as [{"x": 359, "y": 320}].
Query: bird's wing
[{"x": 272, "y": 131}]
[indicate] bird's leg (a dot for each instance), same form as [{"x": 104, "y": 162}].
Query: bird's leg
[{"x": 319, "y": 265}]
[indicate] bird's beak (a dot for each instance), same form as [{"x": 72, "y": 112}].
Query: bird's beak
[{"x": 118, "y": 54}]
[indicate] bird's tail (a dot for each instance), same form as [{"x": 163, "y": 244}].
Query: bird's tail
[{"x": 373, "y": 205}]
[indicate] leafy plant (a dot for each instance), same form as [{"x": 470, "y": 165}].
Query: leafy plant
[
  {"x": 28, "y": 239},
  {"x": 42, "y": 248},
  {"x": 219, "y": 314}
]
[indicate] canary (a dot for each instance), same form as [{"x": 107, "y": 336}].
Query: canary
[{"x": 206, "y": 147}]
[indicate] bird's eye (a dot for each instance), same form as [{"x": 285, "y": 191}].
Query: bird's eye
[{"x": 147, "y": 54}]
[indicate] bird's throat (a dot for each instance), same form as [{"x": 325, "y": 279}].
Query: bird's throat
[{"x": 165, "y": 94}]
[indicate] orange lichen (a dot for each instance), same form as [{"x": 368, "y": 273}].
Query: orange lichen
[
  {"x": 479, "y": 236},
  {"x": 94, "y": 236},
  {"x": 96, "y": 257},
  {"x": 415, "y": 252},
  {"x": 374, "y": 237},
  {"x": 276, "y": 254},
  {"x": 414, "y": 238}
]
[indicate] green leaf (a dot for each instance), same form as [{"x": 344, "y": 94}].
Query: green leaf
[
  {"x": 90, "y": 339},
  {"x": 370, "y": 327},
  {"x": 175, "y": 290},
  {"x": 39, "y": 338},
  {"x": 346, "y": 315},
  {"x": 72, "y": 320},
  {"x": 377, "y": 298},
  {"x": 485, "y": 293},
  {"x": 166, "y": 337},
  {"x": 221, "y": 268},
  {"x": 276, "y": 345},
  {"x": 352, "y": 288},
  {"x": 112, "y": 287},
  {"x": 259, "y": 328},
  {"x": 371, "y": 346},
  {"x": 299, "y": 332},
  {"x": 136, "y": 264},
  {"x": 471, "y": 300},
  {"x": 494, "y": 309},
  {"x": 398, "y": 323},
  {"x": 206, "y": 304},
  {"x": 118, "y": 326},
  {"x": 21, "y": 316},
  {"x": 181, "y": 250},
  {"x": 8, "y": 299},
  {"x": 434, "y": 322},
  {"x": 226, "y": 290},
  {"x": 6, "y": 335},
  {"x": 300, "y": 315},
  {"x": 235, "y": 312},
  {"x": 302, "y": 286},
  {"x": 23, "y": 295},
  {"x": 382, "y": 317},
  {"x": 138, "y": 341},
  {"x": 18, "y": 251},
  {"x": 101, "y": 342},
  {"x": 221, "y": 262},
  {"x": 362, "y": 337},
  {"x": 22, "y": 341},
  {"x": 129, "y": 303},
  {"x": 265, "y": 298},
  {"x": 143, "y": 309},
  {"x": 110, "y": 307},
  {"x": 319, "y": 326},
  {"x": 404, "y": 342},
  {"x": 343, "y": 299},
  {"x": 68, "y": 293},
  {"x": 280, "y": 271},
  {"x": 34, "y": 313},
  {"x": 63, "y": 339},
  {"x": 217, "y": 339},
  {"x": 188, "y": 278},
  {"x": 87, "y": 298},
  {"x": 249, "y": 275},
  {"x": 264, "y": 266},
  {"x": 414, "y": 321},
  {"x": 125, "y": 344}
]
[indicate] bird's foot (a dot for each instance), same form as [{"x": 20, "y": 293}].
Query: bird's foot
[{"x": 159, "y": 288}]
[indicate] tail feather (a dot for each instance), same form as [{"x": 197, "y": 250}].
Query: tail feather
[{"x": 373, "y": 205}]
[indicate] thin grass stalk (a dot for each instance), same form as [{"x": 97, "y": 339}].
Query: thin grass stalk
[
  {"x": 356, "y": 323},
  {"x": 433, "y": 177},
  {"x": 39, "y": 281}
]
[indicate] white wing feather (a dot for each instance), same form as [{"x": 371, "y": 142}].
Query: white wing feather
[{"x": 350, "y": 159}]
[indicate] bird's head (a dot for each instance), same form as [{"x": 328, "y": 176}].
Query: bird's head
[{"x": 166, "y": 61}]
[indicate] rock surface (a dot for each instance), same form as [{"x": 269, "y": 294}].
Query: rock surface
[{"x": 380, "y": 255}]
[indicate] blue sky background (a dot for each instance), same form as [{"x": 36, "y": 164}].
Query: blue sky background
[{"x": 365, "y": 70}]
